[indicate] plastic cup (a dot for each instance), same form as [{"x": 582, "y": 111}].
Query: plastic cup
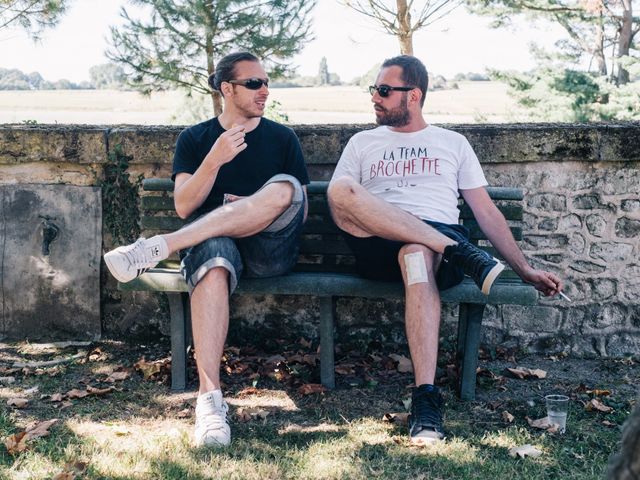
[{"x": 557, "y": 409}]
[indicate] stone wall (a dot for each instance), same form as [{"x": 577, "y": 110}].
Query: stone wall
[{"x": 582, "y": 220}]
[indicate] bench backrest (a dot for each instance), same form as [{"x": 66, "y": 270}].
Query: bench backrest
[{"x": 322, "y": 247}]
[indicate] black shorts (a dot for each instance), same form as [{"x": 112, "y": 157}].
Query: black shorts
[{"x": 377, "y": 258}]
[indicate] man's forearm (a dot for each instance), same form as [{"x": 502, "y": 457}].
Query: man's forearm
[{"x": 192, "y": 193}]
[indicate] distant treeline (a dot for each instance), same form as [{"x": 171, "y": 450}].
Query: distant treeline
[{"x": 101, "y": 77}]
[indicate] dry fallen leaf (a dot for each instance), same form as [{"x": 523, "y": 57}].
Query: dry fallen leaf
[
  {"x": 344, "y": 370},
  {"x": 599, "y": 393},
  {"x": 596, "y": 405},
  {"x": 117, "y": 376},
  {"x": 99, "y": 391},
  {"x": 71, "y": 471},
  {"x": 309, "y": 388},
  {"x": 404, "y": 363},
  {"x": 40, "y": 429},
  {"x": 525, "y": 451},
  {"x": 607, "y": 423},
  {"x": 17, "y": 402},
  {"x": 396, "y": 418},
  {"x": 251, "y": 413},
  {"x": 507, "y": 417},
  {"x": 184, "y": 413},
  {"x": 543, "y": 424},
  {"x": 75, "y": 393},
  {"x": 152, "y": 369},
  {"x": 522, "y": 373},
  {"x": 56, "y": 397},
  {"x": 16, "y": 443}
]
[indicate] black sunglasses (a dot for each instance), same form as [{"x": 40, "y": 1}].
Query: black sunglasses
[
  {"x": 251, "y": 83},
  {"x": 384, "y": 90}
]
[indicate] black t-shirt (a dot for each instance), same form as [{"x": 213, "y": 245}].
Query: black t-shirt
[{"x": 271, "y": 149}]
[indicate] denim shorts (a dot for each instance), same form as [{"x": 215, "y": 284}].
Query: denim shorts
[
  {"x": 377, "y": 258},
  {"x": 272, "y": 252}
]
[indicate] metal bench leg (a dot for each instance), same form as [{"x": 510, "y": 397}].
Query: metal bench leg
[
  {"x": 327, "y": 368},
  {"x": 469, "y": 347},
  {"x": 178, "y": 306}
]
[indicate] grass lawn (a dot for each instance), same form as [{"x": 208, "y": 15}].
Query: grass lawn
[{"x": 129, "y": 427}]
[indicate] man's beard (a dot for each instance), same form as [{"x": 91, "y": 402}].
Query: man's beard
[{"x": 396, "y": 117}]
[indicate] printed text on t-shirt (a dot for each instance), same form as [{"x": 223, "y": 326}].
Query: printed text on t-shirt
[{"x": 405, "y": 161}]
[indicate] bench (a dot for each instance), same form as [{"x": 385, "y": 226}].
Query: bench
[{"x": 325, "y": 269}]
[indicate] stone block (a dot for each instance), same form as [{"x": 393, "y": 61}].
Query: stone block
[
  {"x": 547, "y": 202},
  {"x": 577, "y": 243},
  {"x": 619, "y": 181},
  {"x": 605, "y": 318},
  {"x": 630, "y": 205},
  {"x": 548, "y": 224},
  {"x": 596, "y": 224},
  {"x": 611, "y": 251},
  {"x": 570, "y": 222},
  {"x": 148, "y": 145},
  {"x": 51, "y": 240},
  {"x": 623, "y": 344},
  {"x": 627, "y": 228},
  {"x": 630, "y": 279},
  {"x": 538, "y": 242},
  {"x": 531, "y": 318},
  {"x": 619, "y": 142},
  {"x": 586, "y": 267},
  {"x": 589, "y": 201},
  {"x": 49, "y": 143}
]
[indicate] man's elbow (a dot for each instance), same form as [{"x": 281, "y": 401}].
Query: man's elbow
[{"x": 182, "y": 211}]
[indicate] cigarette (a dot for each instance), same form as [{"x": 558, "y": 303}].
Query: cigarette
[{"x": 565, "y": 297}]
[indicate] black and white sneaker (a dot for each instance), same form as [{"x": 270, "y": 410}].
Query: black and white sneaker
[
  {"x": 130, "y": 261},
  {"x": 478, "y": 264},
  {"x": 425, "y": 421}
]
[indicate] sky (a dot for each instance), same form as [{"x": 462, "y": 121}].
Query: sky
[{"x": 352, "y": 43}]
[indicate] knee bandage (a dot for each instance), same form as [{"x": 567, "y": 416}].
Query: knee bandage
[{"x": 416, "y": 268}]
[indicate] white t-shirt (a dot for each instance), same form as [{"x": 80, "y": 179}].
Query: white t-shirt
[{"x": 420, "y": 172}]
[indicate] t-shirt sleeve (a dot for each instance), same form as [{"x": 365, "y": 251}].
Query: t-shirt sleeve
[
  {"x": 470, "y": 174},
  {"x": 348, "y": 165},
  {"x": 184, "y": 157},
  {"x": 294, "y": 164}
]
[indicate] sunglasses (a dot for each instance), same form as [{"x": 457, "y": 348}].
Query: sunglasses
[
  {"x": 251, "y": 83},
  {"x": 384, "y": 90}
]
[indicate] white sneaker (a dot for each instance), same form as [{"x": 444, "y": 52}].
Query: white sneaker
[
  {"x": 131, "y": 261},
  {"x": 212, "y": 429}
]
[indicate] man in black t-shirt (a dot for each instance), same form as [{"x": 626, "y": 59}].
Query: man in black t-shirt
[{"x": 244, "y": 177}]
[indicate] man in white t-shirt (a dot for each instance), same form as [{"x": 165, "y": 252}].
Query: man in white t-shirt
[{"x": 395, "y": 193}]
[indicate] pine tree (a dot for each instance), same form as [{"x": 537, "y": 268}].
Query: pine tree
[
  {"x": 32, "y": 15},
  {"x": 183, "y": 40}
]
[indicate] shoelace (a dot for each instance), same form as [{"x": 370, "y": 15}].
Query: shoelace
[
  {"x": 136, "y": 255},
  {"x": 215, "y": 418},
  {"x": 474, "y": 261},
  {"x": 427, "y": 410}
]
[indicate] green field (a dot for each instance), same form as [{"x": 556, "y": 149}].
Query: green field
[{"x": 472, "y": 102}]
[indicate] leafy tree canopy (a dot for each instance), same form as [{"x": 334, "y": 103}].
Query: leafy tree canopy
[{"x": 182, "y": 42}]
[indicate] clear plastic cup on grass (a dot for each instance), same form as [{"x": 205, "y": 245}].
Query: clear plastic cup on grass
[{"x": 557, "y": 409}]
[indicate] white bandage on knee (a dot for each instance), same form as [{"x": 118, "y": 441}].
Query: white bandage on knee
[{"x": 416, "y": 268}]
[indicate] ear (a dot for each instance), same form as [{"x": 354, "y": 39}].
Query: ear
[
  {"x": 415, "y": 96},
  {"x": 226, "y": 89}
]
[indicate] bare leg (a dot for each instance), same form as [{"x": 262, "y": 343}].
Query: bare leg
[
  {"x": 210, "y": 322},
  {"x": 242, "y": 218},
  {"x": 361, "y": 214},
  {"x": 422, "y": 315}
]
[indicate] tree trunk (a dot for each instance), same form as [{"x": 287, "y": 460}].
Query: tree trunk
[
  {"x": 624, "y": 42},
  {"x": 216, "y": 98},
  {"x": 599, "y": 47},
  {"x": 626, "y": 464},
  {"x": 405, "y": 34}
]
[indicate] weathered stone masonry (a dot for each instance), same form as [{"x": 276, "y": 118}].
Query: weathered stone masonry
[{"x": 582, "y": 220}]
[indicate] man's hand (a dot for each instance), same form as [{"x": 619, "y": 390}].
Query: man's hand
[
  {"x": 227, "y": 146},
  {"x": 545, "y": 282}
]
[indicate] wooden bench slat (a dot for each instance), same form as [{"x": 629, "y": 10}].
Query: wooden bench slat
[{"x": 505, "y": 290}]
